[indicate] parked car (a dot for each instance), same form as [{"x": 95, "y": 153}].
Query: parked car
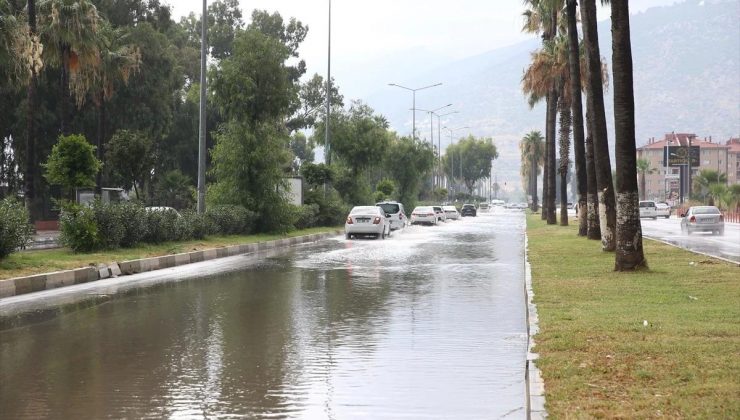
[
  {"x": 483, "y": 207},
  {"x": 367, "y": 221},
  {"x": 468, "y": 210},
  {"x": 703, "y": 219},
  {"x": 662, "y": 210},
  {"x": 498, "y": 203},
  {"x": 440, "y": 213},
  {"x": 451, "y": 212},
  {"x": 424, "y": 214},
  {"x": 162, "y": 209},
  {"x": 398, "y": 217},
  {"x": 648, "y": 209}
]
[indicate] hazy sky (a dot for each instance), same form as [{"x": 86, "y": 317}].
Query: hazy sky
[{"x": 365, "y": 30}]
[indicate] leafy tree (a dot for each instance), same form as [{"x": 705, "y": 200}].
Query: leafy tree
[
  {"x": 317, "y": 174},
  {"x": 312, "y": 97},
  {"x": 476, "y": 156},
  {"x": 15, "y": 229},
  {"x": 409, "y": 161},
  {"x": 303, "y": 150},
  {"x": 72, "y": 163},
  {"x": 176, "y": 190},
  {"x": 386, "y": 187},
  {"x": 130, "y": 159}
]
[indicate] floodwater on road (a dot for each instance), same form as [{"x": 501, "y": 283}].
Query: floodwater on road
[
  {"x": 429, "y": 323},
  {"x": 726, "y": 246}
]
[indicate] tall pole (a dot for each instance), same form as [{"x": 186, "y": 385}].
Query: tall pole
[
  {"x": 413, "y": 103},
  {"x": 202, "y": 118},
  {"x": 688, "y": 168},
  {"x": 327, "y": 148}
]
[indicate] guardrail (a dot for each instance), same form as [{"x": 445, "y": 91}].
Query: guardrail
[{"x": 731, "y": 217}]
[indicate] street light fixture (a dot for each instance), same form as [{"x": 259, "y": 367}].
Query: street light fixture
[
  {"x": 413, "y": 105},
  {"x": 433, "y": 112}
]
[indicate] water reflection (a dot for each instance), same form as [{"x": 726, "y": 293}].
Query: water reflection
[{"x": 428, "y": 324}]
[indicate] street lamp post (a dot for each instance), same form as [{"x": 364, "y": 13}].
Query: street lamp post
[
  {"x": 327, "y": 146},
  {"x": 202, "y": 114},
  {"x": 452, "y": 157},
  {"x": 433, "y": 112},
  {"x": 413, "y": 104}
]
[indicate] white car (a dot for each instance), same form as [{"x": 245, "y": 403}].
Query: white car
[
  {"x": 441, "y": 216},
  {"x": 367, "y": 221},
  {"x": 648, "y": 209},
  {"x": 662, "y": 210},
  {"x": 451, "y": 212},
  {"x": 424, "y": 214},
  {"x": 398, "y": 217},
  {"x": 483, "y": 208}
]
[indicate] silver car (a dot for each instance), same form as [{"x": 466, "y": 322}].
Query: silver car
[
  {"x": 703, "y": 219},
  {"x": 451, "y": 212},
  {"x": 367, "y": 221},
  {"x": 424, "y": 214}
]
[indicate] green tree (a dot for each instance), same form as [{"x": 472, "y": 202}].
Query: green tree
[
  {"x": 476, "y": 156},
  {"x": 643, "y": 168},
  {"x": 72, "y": 164},
  {"x": 303, "y": 150},
  {"x": 317, "y": 174},
  {"x": 313, "y": 102},
  {"x": 176, "y": 190},
  {"x": 130, "y": 159},
  {"x": 704, "y": 179},
  {"x": 532, "y": 149},
  {"x": 409, "y": 161},
  {"x": 69, "y": 32},
  {"x": 385, "y": 187}
]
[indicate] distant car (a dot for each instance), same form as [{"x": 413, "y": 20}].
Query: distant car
[
  {"x": 498, "y": 203},
  {"x": 451, "y": 212},
  {"x": 441, "y": 216},
  {"x": 703, "y": 219},
  {"x": 468, "y": 210},
  {"x": 662, "y": 210},
  {"x": 367, "y": 221},
  {"x": 570, "y": 206},
  {"x": 398, "y": 217},
  {"x": 424, "y": 214},
  {"x": 648, "y": 209},
  {"x": 483, "y": 207}
]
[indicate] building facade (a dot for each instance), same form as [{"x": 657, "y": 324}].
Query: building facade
[{"x": 670, "y": 183}]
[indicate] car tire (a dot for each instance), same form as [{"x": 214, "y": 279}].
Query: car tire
[{"x": 348, "y": 236}]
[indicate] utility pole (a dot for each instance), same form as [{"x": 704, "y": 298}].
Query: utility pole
[
  {"x": 202, "y": 117},
  {"x": 327, "y": 145}
]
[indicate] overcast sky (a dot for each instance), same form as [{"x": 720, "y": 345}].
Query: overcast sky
[{"x": 365, "y": 30}]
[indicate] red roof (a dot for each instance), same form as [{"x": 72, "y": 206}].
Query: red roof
[{"x": 682, "y": 139}]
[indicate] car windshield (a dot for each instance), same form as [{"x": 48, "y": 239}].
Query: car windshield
[
  {"x": 390, "y": 208},
  {"x": 423, "y": 210},
  {"x": 364, "y": 209},
  {"x": 647, "y": 204},
  {"x": 449, "y": 208},
  {"x": 468, "y": 206},
  {"x": 705, "y": 210},
  {"x": 437, "y": 208}
]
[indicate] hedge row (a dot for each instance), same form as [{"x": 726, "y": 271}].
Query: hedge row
[{"x": 109, "y": 226}]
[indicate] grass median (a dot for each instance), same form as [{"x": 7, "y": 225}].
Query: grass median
[
  {"x": 44, "y": 261},
  {"x": 597, "y": 357}
]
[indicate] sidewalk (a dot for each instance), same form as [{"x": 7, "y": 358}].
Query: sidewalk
[{"x": 45, "y": 239}]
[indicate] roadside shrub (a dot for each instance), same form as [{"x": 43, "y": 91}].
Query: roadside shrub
[
  {"x": 194, "y": 225},
  {"x": 332, "y": 211},
  {"x": 230, "y": 219},
  {"x": 15, "y": 231},
  {"x": 133, "y": 218},
  {"x": 163, "y": 226},
  {"x": 79, "y": 230},
  {"x": 109, "y": 222},
  {"x": 307, "y": 216}
]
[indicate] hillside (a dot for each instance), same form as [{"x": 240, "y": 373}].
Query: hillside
[{"x": 687, "y": 78}]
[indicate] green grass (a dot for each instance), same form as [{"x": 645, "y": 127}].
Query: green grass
[
  {"x": 43, "y": 261},
  {"x": 597, "y": 358}
]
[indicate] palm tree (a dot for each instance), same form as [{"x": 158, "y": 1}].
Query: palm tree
[
  {"x": 118, "y": 60},
  {"x": 70, "y": 37},
  {"x": 532, "y": 149},
  {"x": 597, "y": 127},
  {"x": 705, "y": 178},
  {"x": 643, "y": 168},
  {"x": 579, "y": 146},
  {"x": 592, "y": 201},
  {"x": 629, "y": 253},
  {"x": 719, "y": 195}
]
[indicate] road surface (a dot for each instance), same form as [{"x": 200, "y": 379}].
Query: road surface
[{"x": 669, "y": 230}]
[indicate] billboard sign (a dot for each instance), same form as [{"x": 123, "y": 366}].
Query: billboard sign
[{"x": 679, "y": 155}]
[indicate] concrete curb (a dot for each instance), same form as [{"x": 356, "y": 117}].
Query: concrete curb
[
  {"x": 535, "y": 384},
  {"x": 38, "y": 282}
]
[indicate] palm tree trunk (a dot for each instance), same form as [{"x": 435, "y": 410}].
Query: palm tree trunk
[
  {"x": 595, "y": 98},
  {"x": 545, "y": 162},
  {"x": 629, "y": 255},
  {"x": 579, "y": 147},
  {"x": 30, "y": 162},
  {"x": 552, "y": 104},
  {"x": 533, "y": 181},
  {"x": 592, "y": 200},
  {"x": 565, "y": 123},
  {"x": 99, "y": 141},
  {"x": 64, "y": 91},
  {"x": 642, "y": 183}
]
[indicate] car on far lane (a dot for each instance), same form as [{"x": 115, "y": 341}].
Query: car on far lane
[
  {"x": 367, "y": 221},
  {"x": 703, "y": 219},
  {"x": 423, "y": 214},
  {"x": 663, "y": 210},
  {"x": 648, "y": 209},
  {"x": 468, "y": 210},
  {"x": 483, "y": 207},
  {"x": 451, "y": 212}
]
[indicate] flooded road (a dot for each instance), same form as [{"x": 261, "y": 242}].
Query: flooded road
[
  {"x": 429, "y": 323},
  {"x": 726, "y": 246}
]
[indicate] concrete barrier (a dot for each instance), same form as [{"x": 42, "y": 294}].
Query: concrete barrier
[{"x": 39, "y": 282}]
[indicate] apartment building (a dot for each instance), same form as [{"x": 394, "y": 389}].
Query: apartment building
[{"x": 669, "y": 183}]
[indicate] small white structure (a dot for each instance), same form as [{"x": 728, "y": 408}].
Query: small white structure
[{"x": 294, "y": 192}]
